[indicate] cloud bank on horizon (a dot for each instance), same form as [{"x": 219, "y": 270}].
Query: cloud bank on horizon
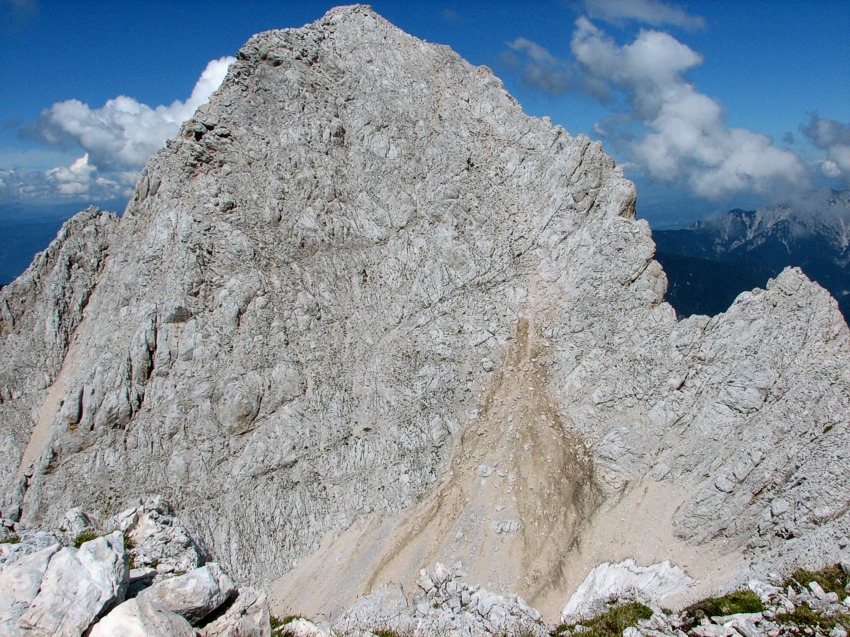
[
  {"x": 664, "y": 128},
  {"x": 117, "y": 140}
]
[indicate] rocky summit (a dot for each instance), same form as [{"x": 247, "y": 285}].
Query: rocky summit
[{"x": 364, "y": 316}]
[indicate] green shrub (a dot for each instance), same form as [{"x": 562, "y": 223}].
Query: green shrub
[
  {"x": 129, "y": 545},
  {"x": 279, "y": 623},
  {"x": 84, "y": 537},
  {"x": 10, "y": 539}
]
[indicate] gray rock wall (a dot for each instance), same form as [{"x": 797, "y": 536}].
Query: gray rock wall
[
  {"x": 39, "y": 314},
  {"x": 311, "y": 304}
]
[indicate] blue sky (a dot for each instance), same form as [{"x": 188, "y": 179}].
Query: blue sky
[{"x": 707, "y": 105}]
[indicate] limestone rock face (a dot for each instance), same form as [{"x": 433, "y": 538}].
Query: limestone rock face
[
  {"x": 39, "y": 313},
  {"x": 363, "y": 315}
]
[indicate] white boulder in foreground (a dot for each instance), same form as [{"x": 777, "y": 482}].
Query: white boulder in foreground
[
  {"x": 193, "y": 595},
  {"x": 19, "y": 584},
  {"x": 139, "y": 618},
  {"x": 159, "y": 539},
  {"x": 443, "y": 604},
  {"x": 47, "y": 589},
  {"x": 77, "y": 587}
]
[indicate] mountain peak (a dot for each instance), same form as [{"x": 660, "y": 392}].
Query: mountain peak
[
  {"x": 364, "y": 315},
  {"x": 348, "y": 12},
  {"x": 352, "y": 26}
]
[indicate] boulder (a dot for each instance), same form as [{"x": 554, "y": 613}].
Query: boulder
[
  {"x": 611, "y": 581},
  {"x": 140, "y": 618},
  {"x": 29, "y": 543},
  {"x": 159, "y": 539},
  {"x": 76, "y": 521},
  {"x": 246, "y": 616},
  {"x": 444, "y": 604},
  {"x": 49, "y": 590},
  {"x": 77, "y": 587},
  {"x": 301, "y": 627},
  {"x": 193, "y": 595},
  {"x": 19, "y": 584}
]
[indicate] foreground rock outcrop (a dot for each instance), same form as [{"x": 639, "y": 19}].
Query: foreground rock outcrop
[
  {"x": 807, "y": 603},
  {"x": 363, "y": 315},
  {"x": 68, "y": 584},
  {"x": 443, "y": 603}
]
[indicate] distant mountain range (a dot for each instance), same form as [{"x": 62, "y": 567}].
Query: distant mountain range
[{"x": 714, "y": 260}]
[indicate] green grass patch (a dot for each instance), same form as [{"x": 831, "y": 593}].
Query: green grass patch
[
  {"x": 804, "y": 617},
  {"x": 832, "y": 579},
  {"x": 10, "y": 539},
  {"x": 611, "y": 623},
  {"x": 129, "y": 545},
  {"x": 744, "y": 601}
]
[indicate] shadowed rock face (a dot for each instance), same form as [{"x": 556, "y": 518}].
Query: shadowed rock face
[{"x": 362, "y": 302}]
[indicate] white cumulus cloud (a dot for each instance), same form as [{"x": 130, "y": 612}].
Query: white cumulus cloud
[
  {"x": 116, "y": 140},
  {"x": 82, "y": 179},
  {"x": 834, "y": 139},
  {"x": 74, "y": 179},
  {"x": 684, "y": 136},
  {"x": 652, "y": 12},
  {"x": 124, "y": 133}
]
